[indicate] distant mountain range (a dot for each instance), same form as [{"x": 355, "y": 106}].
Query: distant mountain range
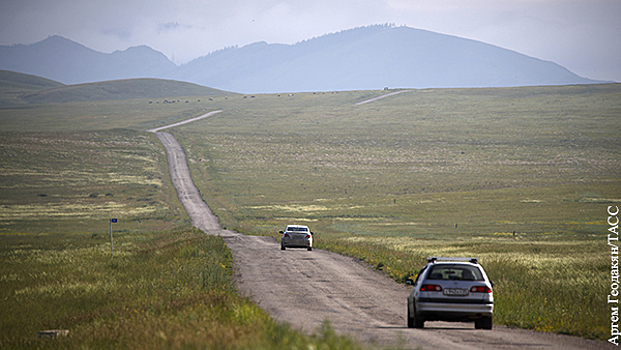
[{"x": 363, "y": 58}]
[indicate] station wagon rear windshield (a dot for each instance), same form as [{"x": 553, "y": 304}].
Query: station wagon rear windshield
[
  {"x": 455, "y": 272},
  {"x": 299, "y": 229}
]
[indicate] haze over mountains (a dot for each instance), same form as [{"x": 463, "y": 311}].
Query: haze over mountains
[{"x": 371, "y": 57}]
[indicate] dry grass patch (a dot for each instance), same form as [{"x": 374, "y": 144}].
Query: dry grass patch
[{"x": 58, "y": 182}]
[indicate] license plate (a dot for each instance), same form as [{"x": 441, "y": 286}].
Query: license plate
[{"x": 455, "y": 291}]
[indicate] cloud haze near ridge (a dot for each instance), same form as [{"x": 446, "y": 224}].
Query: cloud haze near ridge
[{"x": 583, "y": 36}]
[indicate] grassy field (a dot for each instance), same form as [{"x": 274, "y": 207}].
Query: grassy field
[
  {"x": 14, "y": 86},
  {"x": 424, "y": 163},
  {"x": 520, "y": 177},
  {"x": 161, "y": 290},
  {"x": 65, "y": 170},
  {"x": 136, "y": 114},
  {"x": 24, "y": 90},
  {"x": 54, "y": 182}
]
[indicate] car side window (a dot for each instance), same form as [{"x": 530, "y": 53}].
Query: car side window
[{"x": 419, "y": 274}]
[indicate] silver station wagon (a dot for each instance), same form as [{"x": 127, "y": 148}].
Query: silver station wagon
[
  {"x": 296, "y": 236},
  {"x": 451, "y": 289}
]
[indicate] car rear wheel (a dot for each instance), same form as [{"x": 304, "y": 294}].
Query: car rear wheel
[
  {"x": 310, "y": 249},
  {"x": 282, "y": 247},
  {"x": 410, "y": 319},
  {"x": 413, "y": 320},
  {"x": 483, "y": 323}
]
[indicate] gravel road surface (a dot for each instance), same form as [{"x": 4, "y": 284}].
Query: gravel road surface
[{"x": 305, "y": 288}]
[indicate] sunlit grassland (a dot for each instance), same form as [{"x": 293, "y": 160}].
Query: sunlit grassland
[
  {"x": 480, "y": 172},
  {"x": 425, "y": 172},
  {"x": 423, "y": 159},
  {"x": 77, "y": 181},
  {"x": 170, "y": 290},
  {"x": 137, "y": 114},
  {"x": 70, "y": 167},
  {"x": 65, "y": 170}
]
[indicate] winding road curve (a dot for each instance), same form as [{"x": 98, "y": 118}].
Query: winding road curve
[{"x": 305, "y": 288}]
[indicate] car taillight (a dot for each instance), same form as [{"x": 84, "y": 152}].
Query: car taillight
[
  {"x": 287, "y": 235},
  {"x": 307, "y": 236},
  {"x": 430, "y": 288},
  {"x": 480, "y": 289}
]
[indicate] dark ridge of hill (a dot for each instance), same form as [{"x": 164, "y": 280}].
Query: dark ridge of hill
[
  {"x": 372, "y": 58},
  {"x": 121, "y": 90},
  {"x": 26, "y": 81},
  {"x": 18, "y": 89},
  {"x": 13, "y": 86},
  {"x": 68, "y": 62},
  {"x": 362, "y": 58}
]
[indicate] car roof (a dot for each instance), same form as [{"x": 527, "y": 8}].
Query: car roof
[
  {"x": 297, "y": 226},
  {"x": 453, "y": 263}
]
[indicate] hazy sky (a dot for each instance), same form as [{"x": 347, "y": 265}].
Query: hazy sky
[{"x": 581, "y": 35}]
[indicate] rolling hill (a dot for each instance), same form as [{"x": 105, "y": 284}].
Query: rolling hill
[
  {"x": 25, "y": 81},
  {"x": 370, "y": 57},
  {"x": 14, "y": 86},
  {"x": 20, "y": 89}
]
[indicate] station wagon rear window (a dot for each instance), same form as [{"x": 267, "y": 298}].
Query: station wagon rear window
[
  {"x": 297, "y": 229},
  {"x": 455, "y": 272}
]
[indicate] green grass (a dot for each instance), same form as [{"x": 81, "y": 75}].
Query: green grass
[
  {"x": 136, "y": 114},
  {"x": 442, "y": 172},
  {"x": 425, "y": 162},
  {"x": 32, "y": 104},
  {"x": 155, "y": 89},
  {"x": 66, "y": 169},
  {"x": 168, "y": 290},
  {"x": 426, "y": 172},
  {"x": 544, "y": 284},
  {"x": 26, "y": 81},
  {"x": 75, "y": 182},
  {"x": 18, "y": 89},
  {"x": 14, "y": 86}
]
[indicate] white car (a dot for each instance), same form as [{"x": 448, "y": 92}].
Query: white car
[
  {"x": 451, "y": 289},
  {"x": 296, "y": 236}
]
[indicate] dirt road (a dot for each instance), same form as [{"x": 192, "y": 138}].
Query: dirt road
[
  {"x": 304, "y": 288},
  {"x": 381, "y": 97}
]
